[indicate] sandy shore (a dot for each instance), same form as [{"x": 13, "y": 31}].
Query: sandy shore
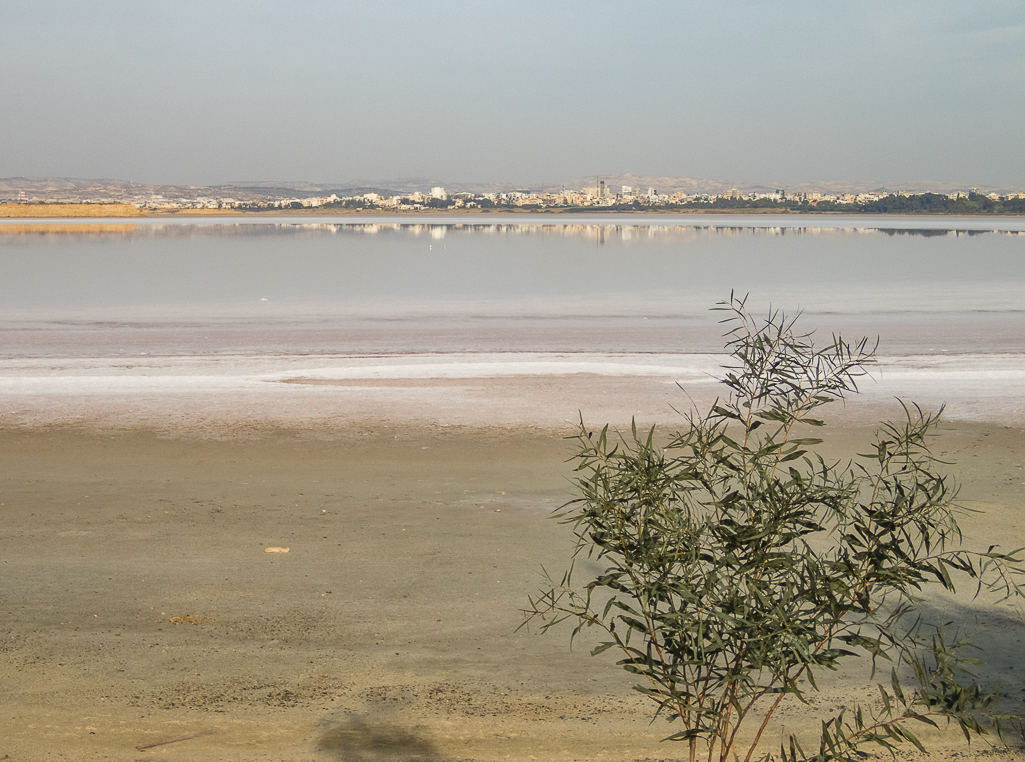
[{"x": 139, "y": 605}]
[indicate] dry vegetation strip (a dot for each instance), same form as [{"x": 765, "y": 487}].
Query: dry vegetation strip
[{"x": 69, "y": 210}]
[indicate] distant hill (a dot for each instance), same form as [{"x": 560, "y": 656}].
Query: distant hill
[
  {"x": 660, "y": 183},
  {"x": 361, "y": 190},
  {"x": 693, "y": 185},
  {"x": 76, "y": 190}
]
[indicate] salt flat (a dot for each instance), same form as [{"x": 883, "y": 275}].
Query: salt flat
[{"x": 211, "y": 394}]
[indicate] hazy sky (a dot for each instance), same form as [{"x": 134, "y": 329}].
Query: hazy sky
[{"x": 774, "y": 91}]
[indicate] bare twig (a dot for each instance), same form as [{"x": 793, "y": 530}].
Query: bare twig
[{"x": 174, "y": 740}]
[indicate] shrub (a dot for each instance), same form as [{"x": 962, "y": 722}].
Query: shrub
[{"x": 739, "y": 563}]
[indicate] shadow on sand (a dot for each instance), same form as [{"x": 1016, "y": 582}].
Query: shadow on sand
[{"x": 360, "y": 739}]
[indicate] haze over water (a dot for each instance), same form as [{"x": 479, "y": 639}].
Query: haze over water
[{"x": 597, "y": 284}]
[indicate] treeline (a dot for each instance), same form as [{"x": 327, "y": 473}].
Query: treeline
[
  {"x": 920, "y": 203},
  {"x": 975, "y": 203}
]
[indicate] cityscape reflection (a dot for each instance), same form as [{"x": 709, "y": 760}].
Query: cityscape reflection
[{"x": 599, "y": 232}]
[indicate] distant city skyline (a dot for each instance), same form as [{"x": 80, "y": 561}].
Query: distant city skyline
[
  {"x": 752, "y": 92},
  {"x": 596, "y": 193},
  {"x": 58, "y": 189}
]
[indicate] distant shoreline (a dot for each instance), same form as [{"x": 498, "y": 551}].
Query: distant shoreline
[{"x": 63, "y": 211}]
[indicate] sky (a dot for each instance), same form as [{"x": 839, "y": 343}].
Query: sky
[{"x": 778, "y": 92}]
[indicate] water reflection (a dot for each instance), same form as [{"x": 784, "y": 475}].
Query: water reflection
[
  {"x": 600, "y": 233},
  {"x": 66, "y": 229},
  {"x": 325, "y": 267}
]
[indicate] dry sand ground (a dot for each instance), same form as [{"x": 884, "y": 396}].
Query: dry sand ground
[{"x": 139, "y": 606}]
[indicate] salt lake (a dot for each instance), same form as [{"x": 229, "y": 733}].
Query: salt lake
[{"x": 219, "y": 303}]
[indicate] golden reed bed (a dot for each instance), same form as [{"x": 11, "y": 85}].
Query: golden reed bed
[{"x": 69, "y": 210}]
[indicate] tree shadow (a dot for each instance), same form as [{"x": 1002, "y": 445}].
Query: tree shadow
[
  {"x": 996, "y": 635},
  {"x": 359, "y": 739}
]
